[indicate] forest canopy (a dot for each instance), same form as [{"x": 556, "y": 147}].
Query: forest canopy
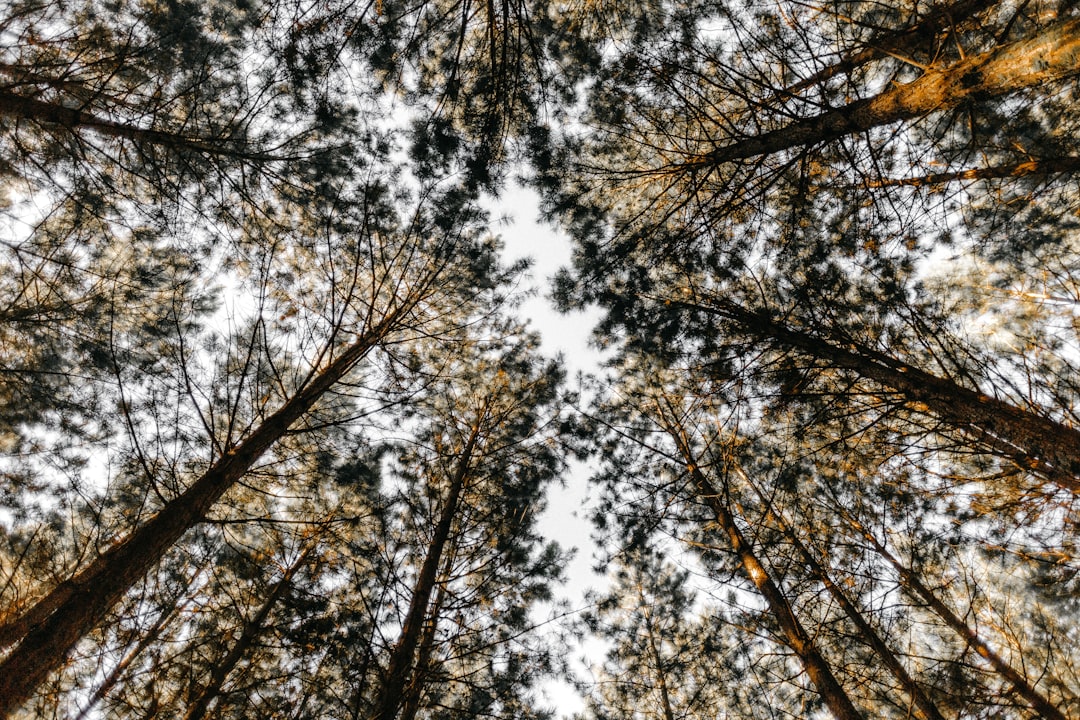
[{"x": 275, "y": 440}]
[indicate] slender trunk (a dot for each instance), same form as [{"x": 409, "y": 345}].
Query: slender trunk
[
  {"x": 79, "y": 604},
  {"x": 795, "y": 636},
  {"x": 897, "y": 42},
  {"x": 1043, "y": 167},
  {"x": 252, "y": 628},
  {"x": 925, "y": 707},
  {"x": 414, "y": 693},
  {"x": 148, "y": 638},
  {"x": 661, "y": 673},
  {"x": 1034, "y": 442},
  {"x": 72, "y": 119},
  {"x": 400, "y": 666},
  {"x": 912, "y": 582},
  {"x": 1050, "y": 56}
]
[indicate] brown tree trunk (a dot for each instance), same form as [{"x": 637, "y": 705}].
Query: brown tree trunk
[
  {"x": 1034, "y": 442},
  {"x": 415, "y": 691},
  {"x": 148, "y": 638},
  {"x": 78, "y": 605},
  {"x": 925, "y": 707},
  {"x": 251, "y": 630},
  {"x": 400, "y": 666},
  {"x": 898, "y": 42},
  {"x": 1050, "y": 56},
  {"x": 795, "y": 636},
  {"x": 1043, "y": 167},
  {"x": 912, "y": 582}
]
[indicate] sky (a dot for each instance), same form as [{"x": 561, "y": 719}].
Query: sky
[{"x": 516, "y": 219}]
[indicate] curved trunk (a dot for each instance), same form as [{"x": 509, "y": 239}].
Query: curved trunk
[
  {"x": 897, "y": 42},
  {"x": 1043, "y": 167},
  {"x": 72, "y": 119},
  {"x": 1019, "y": 683},
  {"x": 253, "y": 627},
  {"x": 925, "y": 707}
]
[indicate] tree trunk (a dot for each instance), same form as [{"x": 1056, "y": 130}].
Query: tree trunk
[
  {"x": 925, "y": 707},
  {"x": 912, "y": 582},
  {"x": 415, "y": 691},
  {"x": 21, "y": 107},
  {"x": 1034, "y": 442},
  {"x": 400, "y": 666},
  {"x": 654, "y": 648},
  {"x": 252, "y": 628},
  {"x": 897, "y": 42},
  {"x": 1043, "y": 167},
  {"x": 1050, "y": 56},
  {"x": 148, "y": 638},
  {"x": 795, "y": 636},
  {"x": 79, "y": 604}
]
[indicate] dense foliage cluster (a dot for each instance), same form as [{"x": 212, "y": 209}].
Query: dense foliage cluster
[{"x": 273, "y": 442}]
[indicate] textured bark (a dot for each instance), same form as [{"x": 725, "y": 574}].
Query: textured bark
[
  {"x": 795, "y": 636},
  {"x": 1033, "y": 441},
  {"x": 914, "y": 584},
  {"x": 1050, "y": 56},
  {"x": 148, "y": 638},
  {"x": 415, "y": 691},
  {"x": 918, "y": 35},
  {"x": 400, "y": 666},
  {"x": 78, "y": 605}
]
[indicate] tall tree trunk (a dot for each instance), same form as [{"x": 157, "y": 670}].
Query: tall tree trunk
[
  {"x": 1043, "y": 167},
  {"x": 924, "y": 706},
  {"x": 795, "y": 636},
  {"x": 1034, "y": 442},
  {"x": 73, "y": 119},
  {"x": 654, "y": 648},
  {"x": 400, "y": 665},
  {"x": 49, "y": 630},
  {"x": 897, "y": 42},
  {"x": 415, "y": 691},
  {"x": 915, "y": 585},
  {"x": 1051, "y": 55},
  {"x": 148, "y": 638},
  {"x": 253, "y": 627}
]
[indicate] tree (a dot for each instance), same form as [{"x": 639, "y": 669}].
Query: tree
[
  {"x": 363, "y": 314},
  {"x": 476, "y": 476}
]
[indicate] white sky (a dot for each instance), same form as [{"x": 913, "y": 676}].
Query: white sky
[{"x": 516, "y": 219}]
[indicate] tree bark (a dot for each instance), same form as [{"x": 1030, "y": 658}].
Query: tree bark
[
  {"x": 658, "y": 663},
  {"x": 1048, "y": 57},
  {"x": 400, "y": 665},
  {"x": 1033, "y": 441},
  {"x": 896, "y": 42},
  {"x": 78, "y": 605},
  {"x": 415, "y": 691},
  {"x": 1019, "y": 683},
  {"x": 795, "y": 636}
]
